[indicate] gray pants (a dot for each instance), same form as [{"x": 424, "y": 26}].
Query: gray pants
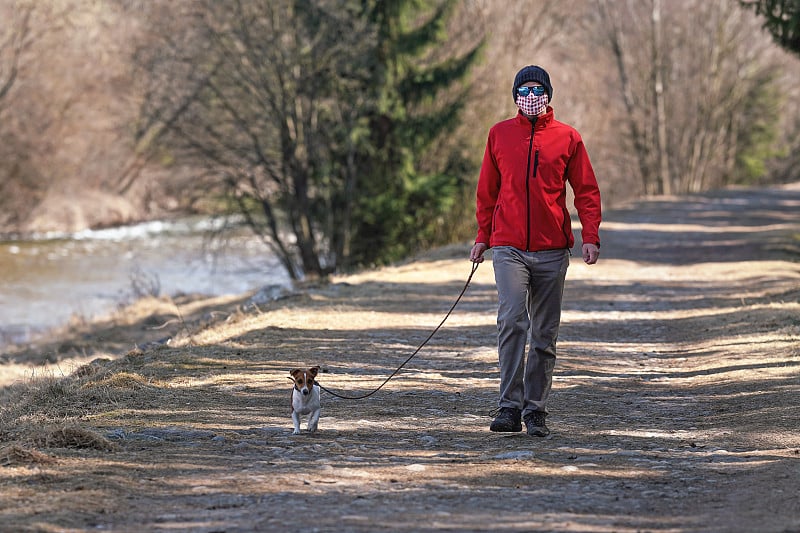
[{"x": 530, "y": 287}]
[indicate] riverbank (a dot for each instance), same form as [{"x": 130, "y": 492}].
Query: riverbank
[
  {"x": 55, "y": 280},
  {"x": 673, "y": 409}
]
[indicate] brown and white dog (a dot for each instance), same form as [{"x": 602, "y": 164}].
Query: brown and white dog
[{"x": 305, "y": 398}]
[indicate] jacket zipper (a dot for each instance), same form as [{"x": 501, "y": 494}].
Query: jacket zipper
[{"x": 528, "y": 177}]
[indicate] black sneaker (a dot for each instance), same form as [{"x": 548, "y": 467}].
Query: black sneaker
[
  {"x": 507, "y": 419},
  {"x": 534, "y": 422}
]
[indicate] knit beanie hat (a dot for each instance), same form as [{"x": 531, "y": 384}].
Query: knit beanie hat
[{"x": 532, "y": 73}]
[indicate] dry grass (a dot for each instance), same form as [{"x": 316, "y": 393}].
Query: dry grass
[
  {"x": 73, "y": 437},
  {"x": 15, "y": 455}
]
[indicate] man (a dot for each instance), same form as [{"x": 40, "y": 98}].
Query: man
[{"x": 522, "y": 215}]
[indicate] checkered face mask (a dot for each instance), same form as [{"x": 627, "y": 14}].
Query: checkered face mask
[{"x": 532, "y": 105}]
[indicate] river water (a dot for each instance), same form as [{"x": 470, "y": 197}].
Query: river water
[{"x": 47, "y": 280}]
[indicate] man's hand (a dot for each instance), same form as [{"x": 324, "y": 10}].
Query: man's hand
[
  {"x": 590, "y": 253},
  {"x": 476, "y": 255}
]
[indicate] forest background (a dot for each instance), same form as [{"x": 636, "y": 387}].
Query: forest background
[{"x": 350, "y": 133}]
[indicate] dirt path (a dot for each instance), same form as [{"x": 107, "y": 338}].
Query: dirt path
[{"x": 675, "y": 402}]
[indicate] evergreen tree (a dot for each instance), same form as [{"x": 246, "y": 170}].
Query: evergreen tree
[
  {"x": 782, "y": 20},
  {"x": 416, "y": 98}
]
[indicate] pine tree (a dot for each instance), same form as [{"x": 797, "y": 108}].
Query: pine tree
[
  {"x": 782, "y": 20},
  {"x": 416, "y": 99}
]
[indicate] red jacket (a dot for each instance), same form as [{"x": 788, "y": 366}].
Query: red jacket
[{"x": 521, "y": 198}]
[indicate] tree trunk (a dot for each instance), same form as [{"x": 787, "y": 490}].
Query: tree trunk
[
  {"x": 664, "y": 177},
  {"x": 616, "y": 39}
]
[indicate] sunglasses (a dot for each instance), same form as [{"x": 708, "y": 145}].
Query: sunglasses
[{"x": 525, "y": 91}]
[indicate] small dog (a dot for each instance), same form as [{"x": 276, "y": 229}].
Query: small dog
[{"x": 305, "y": 398}]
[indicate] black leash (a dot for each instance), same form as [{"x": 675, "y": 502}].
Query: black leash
[{"x": 410, "y": 357}]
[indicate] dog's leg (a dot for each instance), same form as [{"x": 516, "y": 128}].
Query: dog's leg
[
  {"x": 296, "y": 420},
  {"x": 313, "y": 421}
]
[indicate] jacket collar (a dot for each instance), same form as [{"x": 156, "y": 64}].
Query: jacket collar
[{"x": 542, "y": 121}]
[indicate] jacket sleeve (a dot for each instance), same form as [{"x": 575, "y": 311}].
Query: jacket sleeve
[
  {"x": 487, "y": 193},
  {"x": 587, "y": 193}
]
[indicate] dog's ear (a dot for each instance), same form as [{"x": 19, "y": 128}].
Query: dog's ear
[
  {"x": 294, "y": 372},
  {"x": 314, "y": 370}
]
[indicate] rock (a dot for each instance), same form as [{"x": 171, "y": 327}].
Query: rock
[
  {"x": 520, "y": 454},
  {"x": 270, "y": 293}
]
